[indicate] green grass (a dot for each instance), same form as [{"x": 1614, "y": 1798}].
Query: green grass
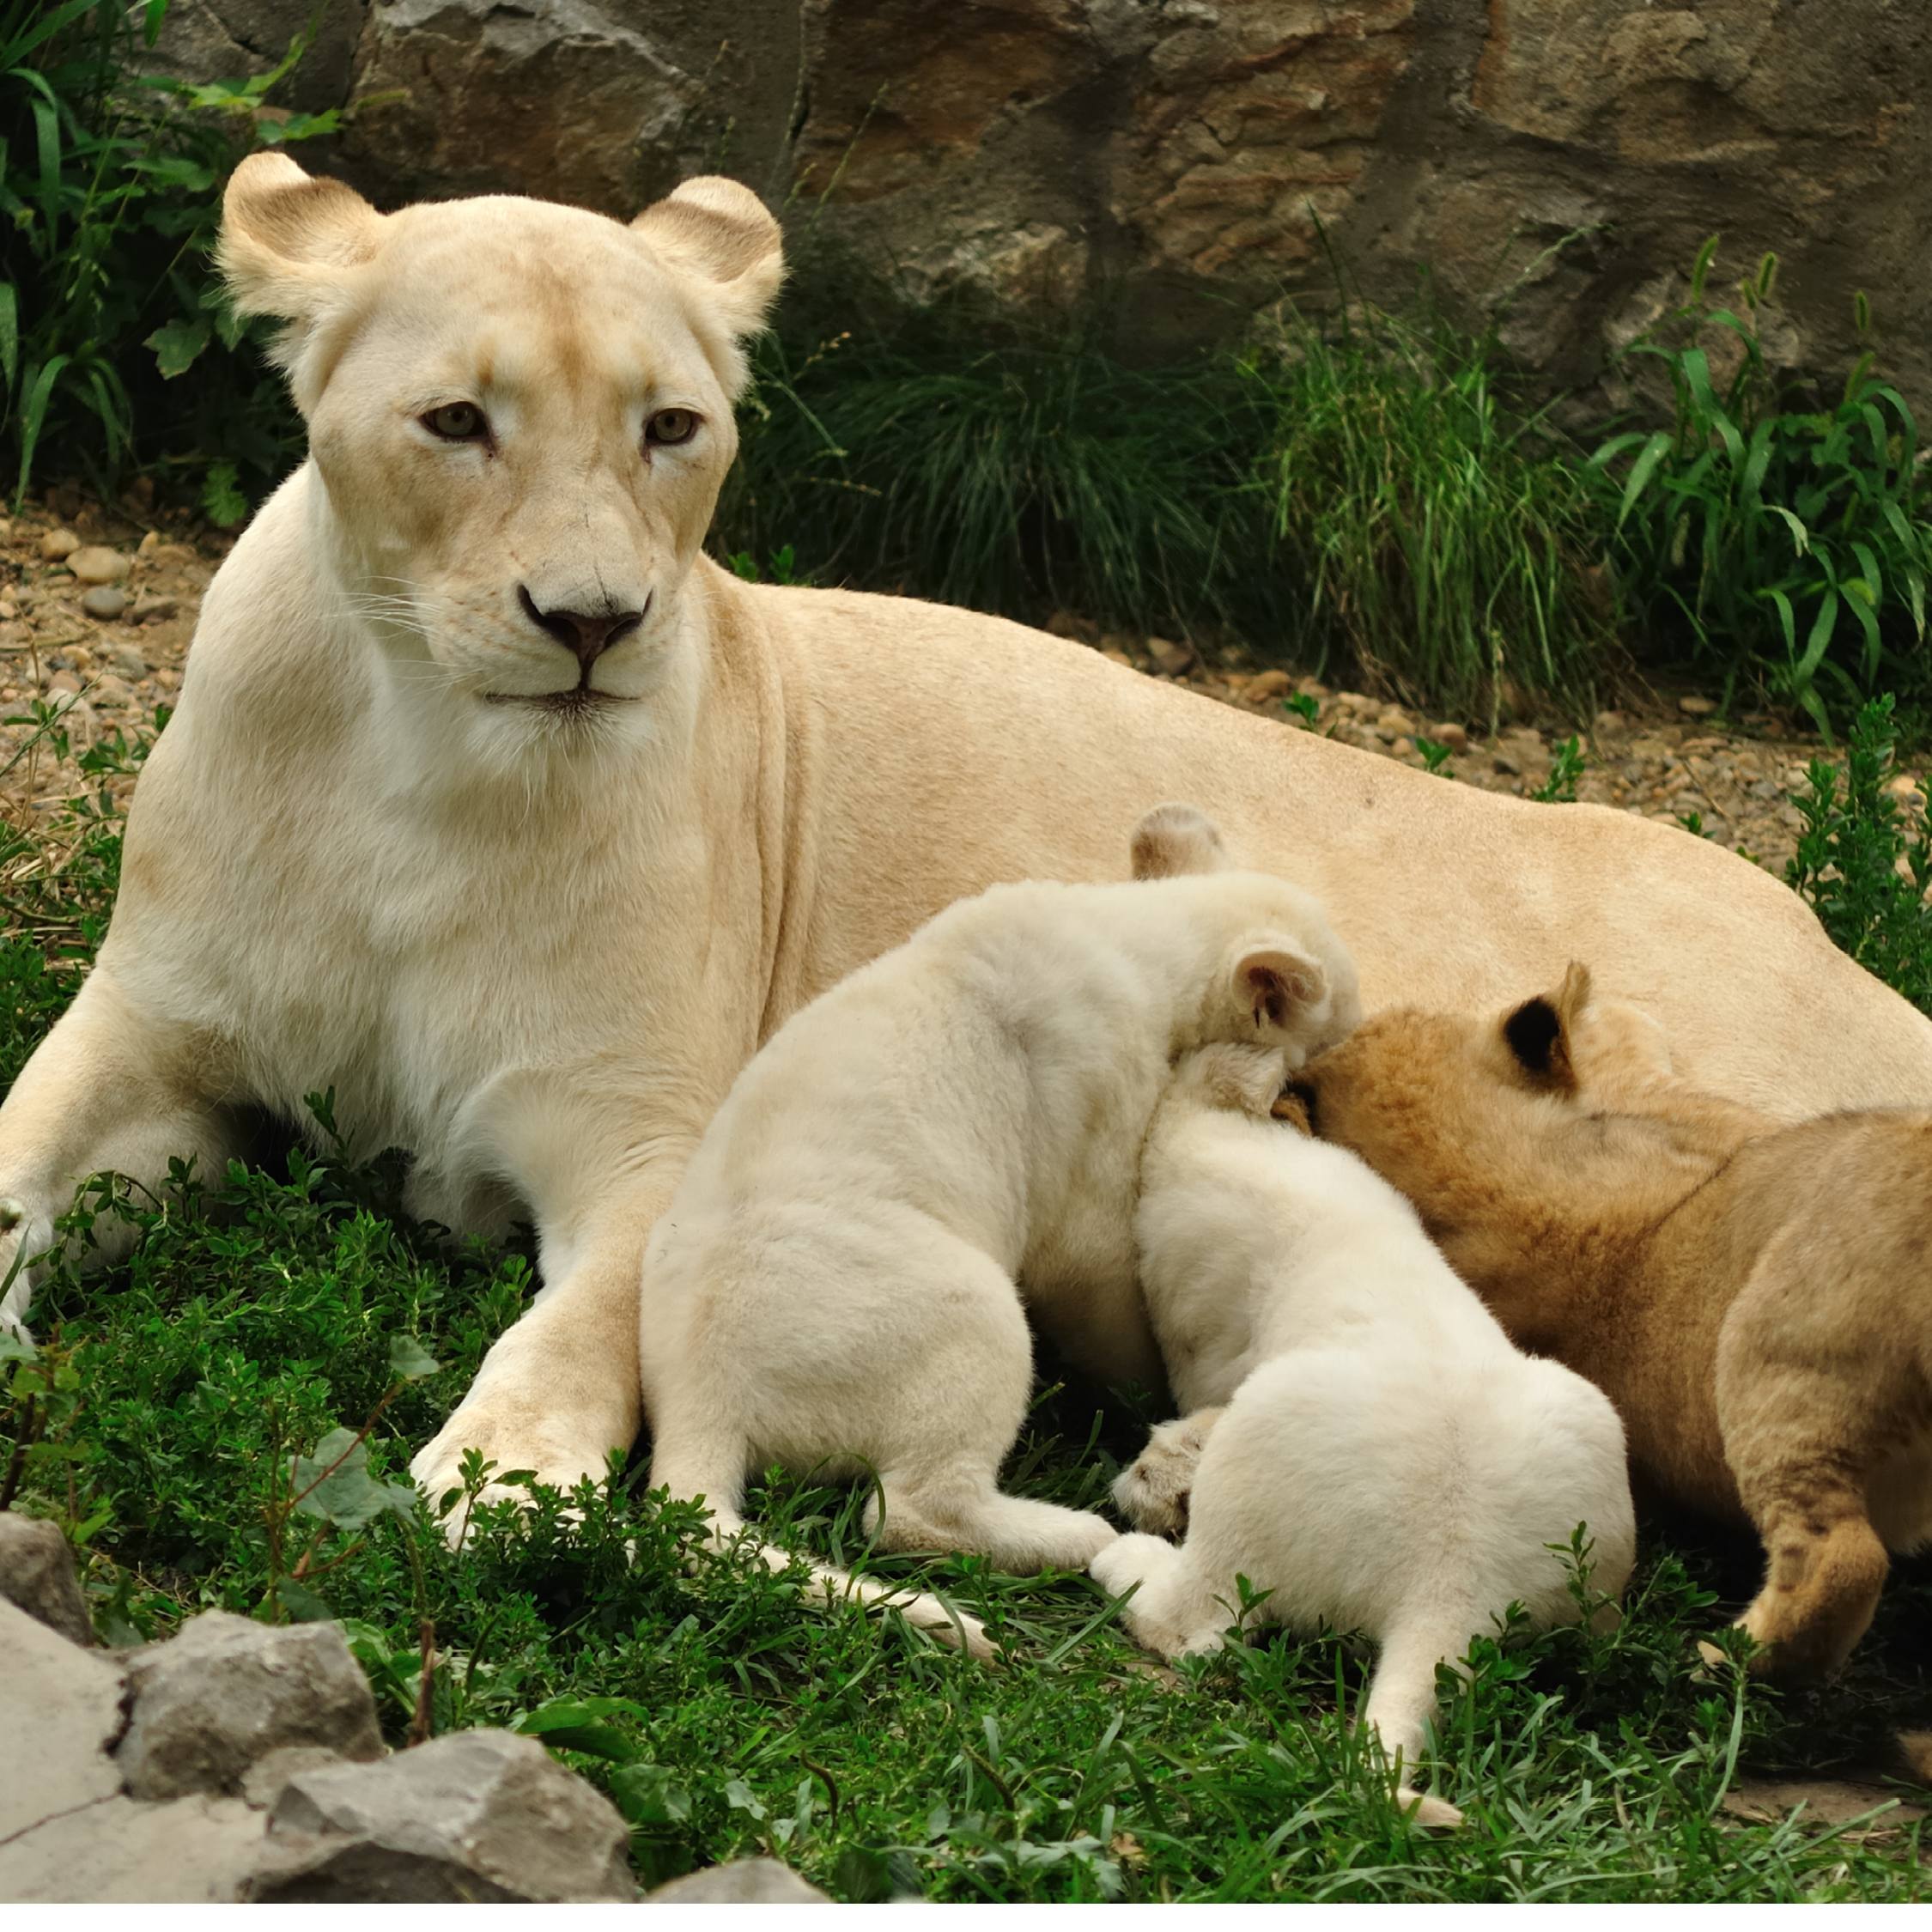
[{"x": 263, "y": 1309}]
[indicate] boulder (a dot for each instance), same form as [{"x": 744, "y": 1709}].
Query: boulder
[
  {"x": 197, "y": 1851},
  {"x": 747, "y": 1881},
  {"x": 60, "y": 1714},
  {"x": 226, "y": 1691},
  {"x": 37, "y": 1573},
  {"x": 478, "y": 1816}
]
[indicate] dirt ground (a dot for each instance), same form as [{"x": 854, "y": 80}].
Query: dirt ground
[{"x": 112, "y": 666}]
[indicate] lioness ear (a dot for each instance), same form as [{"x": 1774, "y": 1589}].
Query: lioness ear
[
  {"x": 716, "y": 232},
  {"x": 1275, "y": 984},
  {"x": 1535, "y": 1033},
  {"x": 1173, "y": 840},
  {"x": 286, "y": 239}
]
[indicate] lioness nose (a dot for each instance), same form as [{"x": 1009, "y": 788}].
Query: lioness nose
[{"x": 587, "y": 634}]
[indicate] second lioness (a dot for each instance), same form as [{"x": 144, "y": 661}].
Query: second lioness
[{"x": 833, "y": 1287}]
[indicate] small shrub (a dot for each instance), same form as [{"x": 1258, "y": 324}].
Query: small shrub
[
  {"x": 110, "y": 184},
  {"x": 1438, "y": 546},
  {"x": 1779, "y": 547},
  {"x": 1860, "y": 867}
]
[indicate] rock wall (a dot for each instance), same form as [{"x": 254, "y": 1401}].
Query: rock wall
[{"x": 1177, "y": 161}]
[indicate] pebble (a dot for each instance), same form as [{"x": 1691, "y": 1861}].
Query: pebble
[
  {"x": 1696, "y": 706},
  {"x": 97, "y": 564},
  {"x": 1265, "y": 684},
  {"x": 57, "y": 545},
  {"x": 1173, "y": 658},
  {"x": 129, "y": 662},
  {"x": 154, "y": 610},
  {"x": 104, "y": 602}
]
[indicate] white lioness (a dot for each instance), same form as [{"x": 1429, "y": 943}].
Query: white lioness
[
  {"x": 834, "y": 1285},
  {"x": 1386, "y": 1460},
  {"x": 493, "y": 804}
]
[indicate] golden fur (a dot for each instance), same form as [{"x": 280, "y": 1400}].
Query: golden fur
[{"x": 1752, "y": 1297}]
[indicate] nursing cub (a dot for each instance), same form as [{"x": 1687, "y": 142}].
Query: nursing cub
[
  {"x": 835, "y": 1286},
  {"x": 1752, "y": 1297},
  {"x": 1386, "y": 1460}
]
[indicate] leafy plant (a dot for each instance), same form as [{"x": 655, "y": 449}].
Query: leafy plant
[
  {"x": 109, "y": 183},
  {"x": 1567, "y": 765},
  {"x": 1862, "y": 870},
  {"x": 1787, "y": 546},
  {"x": 1438, "y": 544}
]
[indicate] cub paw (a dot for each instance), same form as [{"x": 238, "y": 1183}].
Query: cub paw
[{"x": 1153, "y": 1492}]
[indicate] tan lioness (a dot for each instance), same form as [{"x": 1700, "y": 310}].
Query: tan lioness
[
  {"x": 1754, "y": 1297},
  {"x": 493, "y": 804}
]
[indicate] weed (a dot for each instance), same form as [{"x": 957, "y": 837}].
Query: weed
[
  {"x": 1859, "y": 865},
  {"x": 1567, "y": 766},
  {"x": 1788, "y": 546},
  {"x": 109, "y": 181},
  {"x": 1437, "y": 546}
]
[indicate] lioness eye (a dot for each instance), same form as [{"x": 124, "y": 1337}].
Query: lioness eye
[
  {"x": 456, "y": 422},
  {"x": 670, "y": 426}
]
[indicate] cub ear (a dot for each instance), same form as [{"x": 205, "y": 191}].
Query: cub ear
[
  {"x": 717, "y": 232},
  {"x": 1275, "y": 984},
  {"x": 1174, "y": 840},
  {"x": 1538, "y": 1032}
]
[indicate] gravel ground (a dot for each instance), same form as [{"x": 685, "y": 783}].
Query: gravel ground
[{"x": 97, "y": 610}]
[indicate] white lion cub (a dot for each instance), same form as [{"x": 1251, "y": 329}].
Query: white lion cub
[
  {"x": 1386, "y": 1460},
  {"x": 833, "y": 1287}
]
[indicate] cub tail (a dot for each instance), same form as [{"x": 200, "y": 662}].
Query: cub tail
[
  {"x": 1402, "y": 1703},
  {"x": 715, "y": 1476}
]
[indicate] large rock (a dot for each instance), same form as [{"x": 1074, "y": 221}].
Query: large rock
[
  {"x": 748, "y": 1881},
  {"x": 197, "y": 1851},
  {"x": 1175, "y": 156},
  {"x": 60, "y": 1714},
  {"x": 226, "y": 1691},
  {"x": 480, "y": 1816},
  {"x": 37, "y": 1573}
]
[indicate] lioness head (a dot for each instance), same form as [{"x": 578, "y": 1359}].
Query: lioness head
[{"x": 522, "y": 415}]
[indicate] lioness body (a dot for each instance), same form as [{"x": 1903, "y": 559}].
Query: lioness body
[
  {"x": 493, "y": 804},
  {"x": 1756, "y": 1298}
]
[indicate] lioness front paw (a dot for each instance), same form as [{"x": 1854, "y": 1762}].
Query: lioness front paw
[
  {"x": 438, "y": 1467},
  {"x": 1153, "y": 1492},
  {"x": 23, "y": 1235}
]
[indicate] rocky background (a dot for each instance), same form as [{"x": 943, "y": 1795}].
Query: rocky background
[{"x": 1173, "y": 164}]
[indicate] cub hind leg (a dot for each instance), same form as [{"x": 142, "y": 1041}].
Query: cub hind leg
[{"x": 1810, "y": 1407}]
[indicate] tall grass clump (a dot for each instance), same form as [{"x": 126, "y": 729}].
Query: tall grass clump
[
  {"x": 1780, "y": 547},
  {"x": 117, "y": 349},
  {"x": 1441, "y": 542},
  {"x": 1014, "y": 475}
]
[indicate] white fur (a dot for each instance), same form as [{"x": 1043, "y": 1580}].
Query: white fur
[
  {"x": 1386, "y": 1460},
  {"x": 833, "y": 1287}
]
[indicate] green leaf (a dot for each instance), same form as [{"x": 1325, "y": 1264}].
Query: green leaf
[
  {"x": 650, "y": 1795},
  {"x": 410, "y": 1359},
  {"x": 335, "y": 1483},
  {"x": 10, "y": 333},
  {"x": 176, "y": 345},
  {"x": 302, "y": 1603},
  {"x": 224, "y": 502},
  {"x": 151, "y": 20},
  {"x": 870, "y": 1875}
]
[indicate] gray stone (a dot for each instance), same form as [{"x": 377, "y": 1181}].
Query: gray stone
[
  {"x": 748, "y": 1881},
  {"x": 60, "y": 1713},
  {"x": 197, "y": 1851},
  {"x": 104, "y": 602},
  {"x": 479, "y": 1816},
  {"x": 37, "y": 1572},
  {"x": 151, "y": 610},
  {"x": 226, "y": 1691},
  {"x": 268, "y": 1777}
]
